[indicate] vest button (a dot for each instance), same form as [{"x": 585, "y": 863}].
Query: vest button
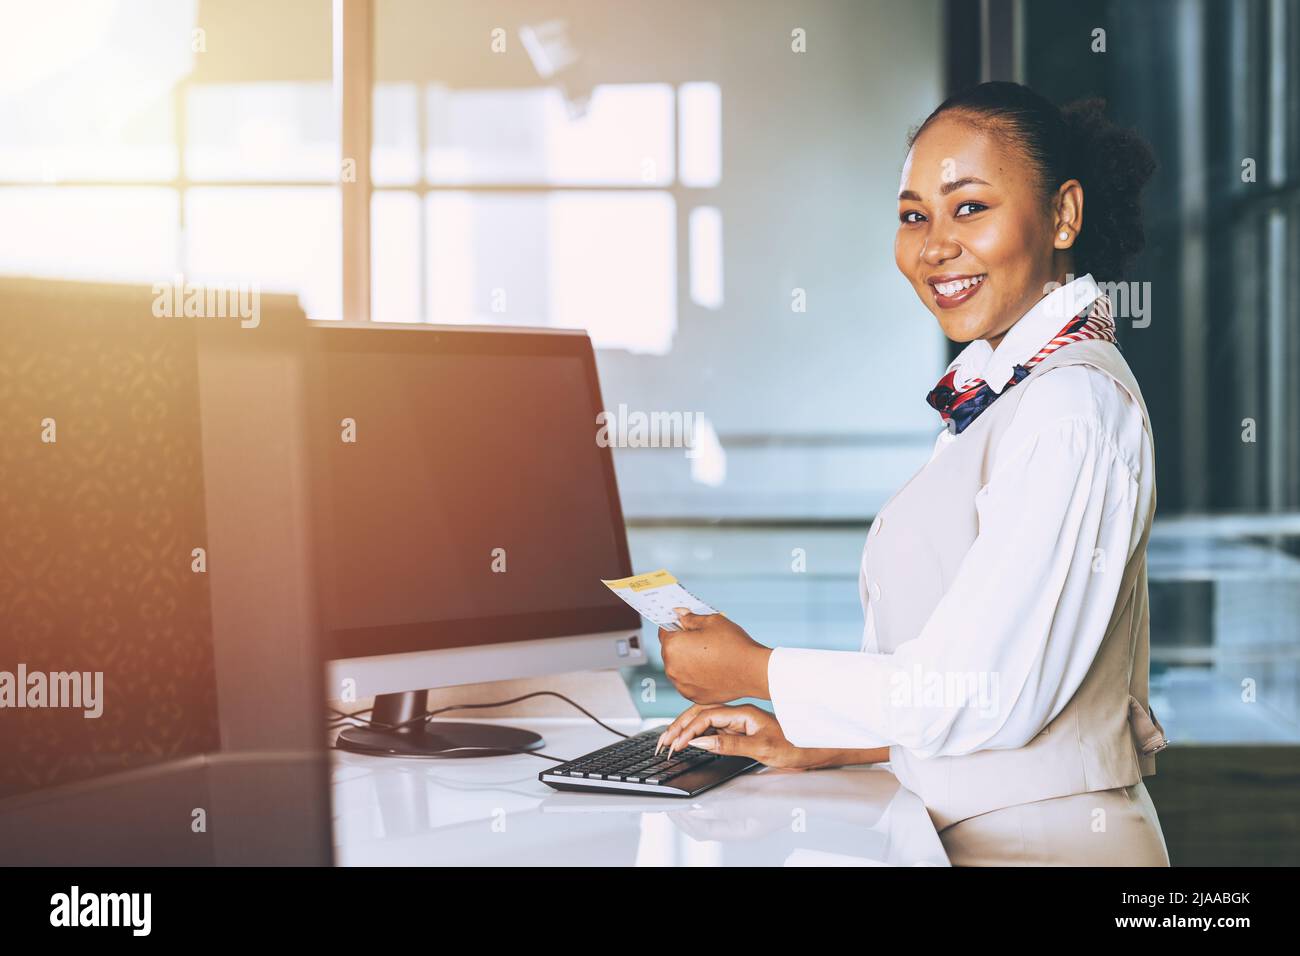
[{"x": 875, "y": 591}]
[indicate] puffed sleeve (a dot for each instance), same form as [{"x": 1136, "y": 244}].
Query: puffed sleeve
[{"x": 1018, "y": 627}]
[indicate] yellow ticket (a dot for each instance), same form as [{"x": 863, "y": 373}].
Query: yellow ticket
[{"x": 655, "y": 595}]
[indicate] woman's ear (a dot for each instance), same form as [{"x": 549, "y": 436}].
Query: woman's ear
[{"x": 1069, "y": 213}]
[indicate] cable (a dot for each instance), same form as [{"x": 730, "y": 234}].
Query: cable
[
  {"x": 336, "y": 724},
  {"x": 498, "y": 703},
  {"x": 341, "y": 719},
  {"x": 340, "y": 715},
  {"x": 536, "y": 693}
]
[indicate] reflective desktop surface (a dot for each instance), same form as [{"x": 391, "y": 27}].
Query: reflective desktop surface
[{"x": 493, "y": 811}]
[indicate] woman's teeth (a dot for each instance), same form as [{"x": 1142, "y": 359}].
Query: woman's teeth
[{"x": 955, "y": 286}]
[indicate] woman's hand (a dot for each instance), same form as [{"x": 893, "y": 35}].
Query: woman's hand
[
  {"x": 713, "y": 660},
  {"x": 744, "y": 731},
  {"x": 749, "y": 731}
]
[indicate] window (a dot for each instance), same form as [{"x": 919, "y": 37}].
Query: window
[
  {"x": 540, "y": 204},
  {"x": 162, "y": 137}
]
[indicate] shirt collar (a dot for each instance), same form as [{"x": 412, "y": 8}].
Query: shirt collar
[{"x": 1035, "y": 329}]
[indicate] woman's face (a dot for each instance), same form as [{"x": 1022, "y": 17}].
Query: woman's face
[{"x": 975, "y": 237}]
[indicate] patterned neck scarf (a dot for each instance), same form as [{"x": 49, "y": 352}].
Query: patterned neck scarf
[{"x": 959, "y": 408}]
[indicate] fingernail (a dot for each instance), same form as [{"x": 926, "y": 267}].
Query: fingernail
[{"x": 704, "y": 743}]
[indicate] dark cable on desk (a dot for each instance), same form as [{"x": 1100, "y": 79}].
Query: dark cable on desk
[
  {"x": 340, "y": 719},
  {"x": 497, "y": 703},
  {"x": 536, "y": 693},
  {"x": 423, "y": 718}
]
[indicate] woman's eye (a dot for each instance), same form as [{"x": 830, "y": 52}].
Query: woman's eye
[
  {"x": 974, "y": 207},
  {"x": 907, "y": 216}
]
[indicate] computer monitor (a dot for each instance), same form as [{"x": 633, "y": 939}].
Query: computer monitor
[{"x": 465, "y": 514}]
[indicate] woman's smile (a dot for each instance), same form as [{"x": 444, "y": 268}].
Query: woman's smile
[{"x": 951, "y": 290}]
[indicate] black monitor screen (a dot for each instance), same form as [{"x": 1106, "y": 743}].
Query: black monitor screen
[{"x": 460, "y": 494}]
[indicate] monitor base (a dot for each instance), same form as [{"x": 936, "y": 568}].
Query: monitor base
[{"x": 397, "y": 731}]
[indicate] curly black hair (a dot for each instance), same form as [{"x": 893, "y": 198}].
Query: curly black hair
[{"x": 1077, "y": 141}]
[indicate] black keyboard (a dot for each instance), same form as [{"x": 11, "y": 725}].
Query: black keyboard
[{"x": 631, "y": 766}]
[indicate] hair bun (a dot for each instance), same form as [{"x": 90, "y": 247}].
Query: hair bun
[{"x": 1113, "y": 164}]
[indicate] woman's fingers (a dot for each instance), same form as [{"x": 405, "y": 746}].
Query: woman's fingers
[
  {"x": 692, "y": 621},
  {"x": 730, "y": 720},
  {"x": 673, "y": 730}
]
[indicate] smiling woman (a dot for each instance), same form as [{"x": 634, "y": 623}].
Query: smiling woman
[
  {"x": 992, "y": 202},
  {"x": 1017, "y": 559}
]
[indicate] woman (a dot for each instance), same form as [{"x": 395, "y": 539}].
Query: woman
[{"x": 1003, "y": 672}]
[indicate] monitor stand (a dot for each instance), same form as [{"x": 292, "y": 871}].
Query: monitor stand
[{"x": 397, "y": 731}]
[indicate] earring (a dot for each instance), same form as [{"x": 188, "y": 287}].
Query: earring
[{"x": 1064, "y": 236}]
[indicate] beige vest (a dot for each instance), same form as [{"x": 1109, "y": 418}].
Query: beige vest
[{"x": 1105, "y": 737}]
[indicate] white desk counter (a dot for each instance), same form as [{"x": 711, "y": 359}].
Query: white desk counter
[{"x": 493, "y": 811}]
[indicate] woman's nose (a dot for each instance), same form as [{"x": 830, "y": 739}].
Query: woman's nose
[{"x": 937, "y": 251}]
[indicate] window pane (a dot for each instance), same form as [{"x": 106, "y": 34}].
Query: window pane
[
  {"x": 705, "y": 237},
  {"x": 66, "y": 232},
  {"x": 700, "y": 133},
  {"x": 603, "y": 262},
  {"x": 86, "y": 89},
  {"x": 395, "y": 257},
  {"x": 284, "y": 239},
  {"x": 529, "y": 136},
  {"x": 265, "y": 131},
  {"x": 395, "y": 149}
]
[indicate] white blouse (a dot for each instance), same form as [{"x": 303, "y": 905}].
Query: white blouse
[{"x": 1071, "y": 490}]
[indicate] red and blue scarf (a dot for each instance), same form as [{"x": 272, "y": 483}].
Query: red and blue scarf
[{"x": 960, "y": 407}]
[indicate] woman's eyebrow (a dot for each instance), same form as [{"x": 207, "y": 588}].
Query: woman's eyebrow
[{"x": 946, "y": 188}]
